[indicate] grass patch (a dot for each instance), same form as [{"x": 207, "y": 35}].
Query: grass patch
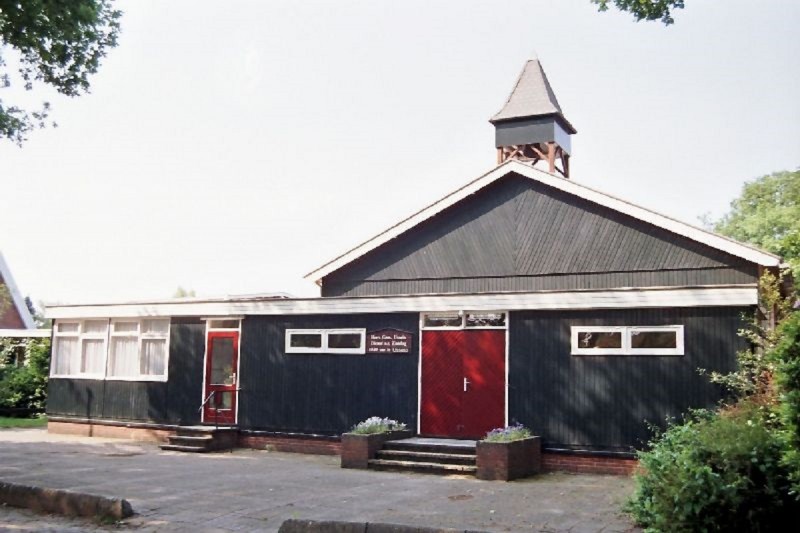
[{"x": 7, "y": 422}]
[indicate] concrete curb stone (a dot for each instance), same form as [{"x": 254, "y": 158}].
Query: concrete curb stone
[{"x": 64, "y": 502}]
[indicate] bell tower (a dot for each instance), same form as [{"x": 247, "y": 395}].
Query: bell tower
[{"x": 531, "y": 126}]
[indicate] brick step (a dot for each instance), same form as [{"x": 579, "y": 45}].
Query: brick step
[
  {"x": 184, "y": 440},
  {"x": 426, "y": 457},
  {"x": 429, "y": 448},
  {"x": 420, "y": 467},
  {"x": 179, "y": 448}
]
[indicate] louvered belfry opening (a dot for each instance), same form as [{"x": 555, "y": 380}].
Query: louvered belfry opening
[{"x": 531, "y": 126}]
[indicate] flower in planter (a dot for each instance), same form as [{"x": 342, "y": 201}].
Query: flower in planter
[
  {"x": 376, "y": 424},
  {"x": 508, "y": 434}
]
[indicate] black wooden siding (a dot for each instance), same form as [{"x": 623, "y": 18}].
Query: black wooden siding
[
  {"x": 173, "y": 402},
  {"x": 324, "y": 393},
  {"x": 518, "y": 234},
  {"x": 602, "y": 402}
]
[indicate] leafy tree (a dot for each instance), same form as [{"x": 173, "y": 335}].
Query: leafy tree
[
  {"x": 767, "y": 214},
  {"x": 57, "y": 42},
  {"x": 5, "y": 298},
  {"x": 180, "y": 292},
  {"x": 645, "y": 9},
  {"x": 24, "y": 386}
]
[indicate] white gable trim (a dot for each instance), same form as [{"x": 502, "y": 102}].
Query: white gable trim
[
  {"x": 707, "y": 296},
  {"x": 708, "y": 238},
  {"x": 16, "y": 296}
]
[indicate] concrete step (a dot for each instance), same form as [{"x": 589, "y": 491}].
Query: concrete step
[
  {"x": 182, "y": 440},
  {"x": 196, "y": 431},
  {"x": 429, "y": 448},
  {"x": 427, "y": 457},
  {"x": 179, "y": 448},
  {"x": 421, "y": 467}
]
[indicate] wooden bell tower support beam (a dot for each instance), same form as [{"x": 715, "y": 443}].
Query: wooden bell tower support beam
[{"x": 548, "y": 153}]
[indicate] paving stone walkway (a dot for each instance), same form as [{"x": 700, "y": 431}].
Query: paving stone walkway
[{"x": 250, "y": 490}]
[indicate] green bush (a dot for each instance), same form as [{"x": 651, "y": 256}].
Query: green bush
[
  {"x": 786, "y": 355},
  {"x": 25, "y": 386},
  {"x": 715, "y": 472}
]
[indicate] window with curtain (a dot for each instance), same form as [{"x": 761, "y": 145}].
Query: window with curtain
[
  {"x": 125, "y": 349},
  {"x": 79, "y": 349},
  {"x": 139, "y": 349}
]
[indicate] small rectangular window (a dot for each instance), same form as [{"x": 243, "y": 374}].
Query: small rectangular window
[
  {"x": 344, "y": 340},
  {"x": 442, "y": 320},
  {"x": 325, "y": 341},
  {"x": 594, "y": 340},
  {"x": 126, "y": 327},
  {"x": 67, "y": 327},
  {"x": 642, "y": 339},
  {"x": 223, "y": 324},
  {"x": 486, "y": 320},
  {"x": 627, "y": 340},
  {"x": 305, "y": 340}
]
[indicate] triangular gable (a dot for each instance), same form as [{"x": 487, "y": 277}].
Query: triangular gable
[
  {"x": 677, "y": 227},
  {"x": 17, "y": 300}
]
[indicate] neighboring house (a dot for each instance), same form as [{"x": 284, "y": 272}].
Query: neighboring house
[
  {"x": 14, "y": 314},
  {"x": 523, "y": 296},
  {"x": 16, "y": 321}
]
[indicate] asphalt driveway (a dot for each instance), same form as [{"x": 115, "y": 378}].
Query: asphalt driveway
[{"x": 251, "y": 490}]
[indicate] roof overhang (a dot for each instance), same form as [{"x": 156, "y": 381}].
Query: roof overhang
[
  {"x": 704, "y": 296},
  {"x": 694, "y": 233},
  {"x": 16, "y": 296}
]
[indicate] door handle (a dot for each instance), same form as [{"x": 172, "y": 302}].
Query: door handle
[
  {"x": 466, "y": 383},
  {"x": 233, "y": 378}
]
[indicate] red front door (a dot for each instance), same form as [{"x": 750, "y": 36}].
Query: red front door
[
  {"x": 463, "y": 382},
  {"x": 221, "y": 367}
]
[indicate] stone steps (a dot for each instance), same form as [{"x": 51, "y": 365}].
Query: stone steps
[
  {"x": 421, "y": 467},
  {"x": 426, "y": 456},
  {"x": 430, "y": 457},
  {"x": 202, "y": 439}
]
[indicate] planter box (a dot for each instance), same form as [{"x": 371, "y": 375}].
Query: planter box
[
  {"x": 509, "y": 460},
  {"x": 357, "y": 449}
]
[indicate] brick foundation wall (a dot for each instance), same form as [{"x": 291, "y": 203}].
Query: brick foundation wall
[
  {"x": 290, "y": 444},
  {"x": 88, "y": 429},
  {"x": 588, "y": 464}
]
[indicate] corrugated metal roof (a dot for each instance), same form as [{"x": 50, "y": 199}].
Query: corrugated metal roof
[{"x": 532, "y": 96}]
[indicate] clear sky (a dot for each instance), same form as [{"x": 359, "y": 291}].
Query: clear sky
[{"x": 234, "y": 147}]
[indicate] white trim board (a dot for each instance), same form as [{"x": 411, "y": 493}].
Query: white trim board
[
  {"x": 16, "y": 296},
  {"x": 707, "y": 296},
  {"x": 651, "y": 217}
]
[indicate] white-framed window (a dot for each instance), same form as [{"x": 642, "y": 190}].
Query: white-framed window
[
  {"x": 627, "y": 340},
  {"x": 350, "y": 340},
  {"x": 120, "y": 349},
  {"x": 79, "y": 348},
  {"x": 139, "y": 349},
  {"x": 465, "y": 320}
]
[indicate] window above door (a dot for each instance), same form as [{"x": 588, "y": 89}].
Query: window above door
[{"x": 465, "y": 320}]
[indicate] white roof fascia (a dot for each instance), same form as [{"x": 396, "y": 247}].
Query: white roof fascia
[
  {"x": 25, "y": 333},
  {"x": 706, "y": 296},
  {"x": 694, "y": 233},
  {"x": 16, "y": 296}
]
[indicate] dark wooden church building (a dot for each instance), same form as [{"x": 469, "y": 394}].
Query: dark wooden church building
[{"x": 522, "y": 297}]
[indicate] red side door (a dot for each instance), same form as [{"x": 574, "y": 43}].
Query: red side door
[
  {"x": 221, "y": 377},
  {"x": 463, "y": 382}
]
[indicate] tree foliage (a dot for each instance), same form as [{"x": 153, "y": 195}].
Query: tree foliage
[
  {"x": 645, "y": 9},
  {"x": 24, "y": 386},
  {"x": 59, "y": 43},
  {"x": 767, "y": 214}
]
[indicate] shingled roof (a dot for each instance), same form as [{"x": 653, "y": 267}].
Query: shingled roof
[{"x": 532, "y": 96}]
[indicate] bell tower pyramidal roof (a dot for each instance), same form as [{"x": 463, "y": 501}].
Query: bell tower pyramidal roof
[{"x": 531, "y": 126}]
